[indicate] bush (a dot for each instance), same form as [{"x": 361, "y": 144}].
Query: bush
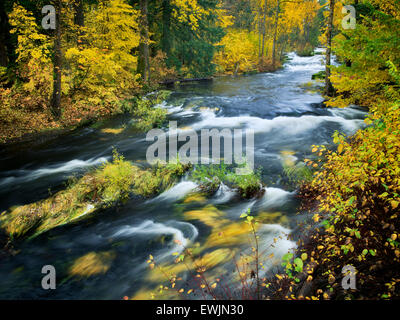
[
  {"x": 148, "y": 115},
  {"x": 298, "y": 174},
  {"x": 358, "y": 200},
  {"x": 307, "y": 51},
  {"x": 115, "y": 179},
  {"x": 210, "y": 177},
  {"x": 318, "y": 76}
]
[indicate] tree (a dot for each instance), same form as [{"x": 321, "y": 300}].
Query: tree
[
  {"x": 57, "y": 61},
  {"x": 239, "y": 54},
  {"x": 79, "y": 19},
  {"x": 5, "y": 38},
  {"x": 144, "y": 51},
  {"x": 189, "y": 31},
  {"x": 275, "y": 33},
  {"x": 104, "y": 70},
  {"x": 33, "y": 54},
  {"x": 328, "y": 85},
  {"x": 372, "y": 53}
]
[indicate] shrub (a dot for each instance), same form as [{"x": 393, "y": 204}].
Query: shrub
[
  {"x": 358, "y": 200},
  {"x": 148, "y": 115},
  {"x": 115, "y": 179},
  {"x": 305, "y": 51},
  {"x": 298, "y": 174},
  {"x": 210, "y": 177}
]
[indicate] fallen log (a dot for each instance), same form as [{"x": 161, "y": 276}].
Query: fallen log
[{"x": 172, "y": 81}]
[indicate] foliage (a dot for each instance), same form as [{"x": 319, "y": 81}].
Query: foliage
[
  {"x": 298, "y": 174},
  {"x": 293, "y": 265},
  {"x": 33, "y": 53},
  {"x": 102, "y": 66},
  {"x": 211, "y": 176},
  {"x": 239, "y": 54},
  {"x": 189, "y": 31},
  {"x": 159, "y": 69},
  {"x": 115, "y": 179},
  {"x": 104, "y": 187},
  {"x": 365, "y": 79},
  {"x": 358, "y": 188},
  {"x": 159, "y": 178},
  {"x": 97, "y": 68},
  {"x": 148, "y": 115}
]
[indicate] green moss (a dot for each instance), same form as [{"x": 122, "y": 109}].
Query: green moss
[
  {"x": 147, "y": 114},
  {"x": 210, "y": 177},
  {"x": 298, "y": 174},
  {"x": 318, "y": 76},
  {"x": 159, "y": 178},
  {"x": 106, "y": 186}
]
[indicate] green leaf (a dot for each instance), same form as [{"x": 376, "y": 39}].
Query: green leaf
[
  {"x": 299, "y": 264},
  {"x": 351, "y": 200},
  {"x": 287, "y": 256}
]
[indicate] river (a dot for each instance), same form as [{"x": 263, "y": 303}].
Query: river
[{"x": 287, "y": 119}]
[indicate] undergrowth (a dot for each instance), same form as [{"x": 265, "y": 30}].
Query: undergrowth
[
  {"x": 106, "y": 186},
  {"x": 210, "y": 178}
]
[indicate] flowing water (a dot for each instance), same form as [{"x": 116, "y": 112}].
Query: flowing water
[{"x": 287, "y": 120}]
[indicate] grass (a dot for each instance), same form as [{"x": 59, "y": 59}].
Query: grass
[
  {"x": 210, "y": 178},
  {"x": 298, "y": 174},
  {"x": 318, "y": 76},
  {"x": 110, "y": 184},
  {"x": 147, "y": 115}
]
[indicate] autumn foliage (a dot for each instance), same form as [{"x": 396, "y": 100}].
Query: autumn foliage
[{"x": 355, "y": 191}]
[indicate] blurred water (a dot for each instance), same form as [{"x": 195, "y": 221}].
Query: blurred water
[{"x": 284, "y": 116}]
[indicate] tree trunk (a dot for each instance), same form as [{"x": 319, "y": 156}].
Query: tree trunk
[
  {"x": 79, "y": 20},
  {"x": 79, "y": 15},
  {"x": 6, "y": 47},
  {"x": 144, "y": 51},
  {"x": 264, "y": 29},
  {"x": 328, "y": 85},
  {"x": 259, "y": 33},
  {"x": 57, "y": 60},
  {"x": 166, "y": 40},
  {"x": 282, "y": 51},
  {"x": 275, "y": 34}
]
